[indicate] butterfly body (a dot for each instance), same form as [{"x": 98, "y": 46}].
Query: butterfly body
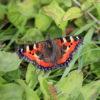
[{"x": 50, "y": 54}]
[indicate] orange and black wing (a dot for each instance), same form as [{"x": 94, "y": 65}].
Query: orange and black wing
[{"x": 41, "y": 57}]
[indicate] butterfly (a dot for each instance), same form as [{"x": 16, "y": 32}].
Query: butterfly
[{"x": 50, "y": 54}]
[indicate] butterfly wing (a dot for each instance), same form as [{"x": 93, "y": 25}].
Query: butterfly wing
[{"x": 38, "y": 55}]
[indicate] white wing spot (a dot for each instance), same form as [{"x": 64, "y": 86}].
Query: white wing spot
[
  {"x": 77, "y": 37},
  {"x": 34, "y": 47},
  {"x": 67, "y": 49},
  {"x": 27, "y": 48},
  {"x": 21, "y": 50},
  {"x": 71, "y": 38},
  {"x": 64, "y": 39}
]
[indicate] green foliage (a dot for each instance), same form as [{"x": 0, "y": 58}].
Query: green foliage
[
  {"x": 27, "y": 21},
  {"x": 42, "y": 22},
  {"x": 2, "y": 11},
  {"x": 8, "y": 61},
  {"x": 31, "y": 35},
  {"x": 72, "y": 13},
  {"x": 11, "y": 91}
]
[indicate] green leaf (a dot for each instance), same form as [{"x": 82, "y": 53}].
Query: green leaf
[
  {"x": 14, "y": 15},
  {"x": 2, "y": 81},
  {"x": 69, "y": 84},
  {"x": 31, "y": 76},
  {"x": 30, "y": 94},
  {"x": 7, "y": 34},
  {"x": 72, "y": 13},
  {"x": 91, "y": 90},
  {"x": 63, "y": 25},
  {"x": 44, "y": 87},
  {"x": 88, "y": 36},
  {"x": 67, "y": 3},
  {"x": 90, "y": 54},
  {"x": 54, "y": 32},
  {"x": 31, "y": 35},
  {"x": 42, "y": 22},
  {"x": 19, "y": 13},
  {"x": 54, "y": 11},
  {"x": 45, "y": 1},
  {"x": 87, "y": 4},
  {"x": 97, "y": 5},
  {"x": 2, "y": 11},
  {"x": 11, "y": 91},
  {"x": 80, "y": 22},
  {"x": 12, "y": 75},
  {"x": 85, "y": 27},
  {"x": 8, "y": 61},
  {"x": 95, "y": 68},
  {"x": 26, "y": 11}
]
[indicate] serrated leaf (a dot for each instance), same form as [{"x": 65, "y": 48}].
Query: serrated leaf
[
  {"x": 11, "y": 91},
  {"x": 8, "y": 61},
  {"x": 72, "y": 13}
]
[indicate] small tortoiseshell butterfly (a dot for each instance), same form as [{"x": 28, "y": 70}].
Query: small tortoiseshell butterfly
[{"x": 50, "y": 54}]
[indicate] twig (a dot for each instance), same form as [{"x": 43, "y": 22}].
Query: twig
[{"x": 93, "y": 17}]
